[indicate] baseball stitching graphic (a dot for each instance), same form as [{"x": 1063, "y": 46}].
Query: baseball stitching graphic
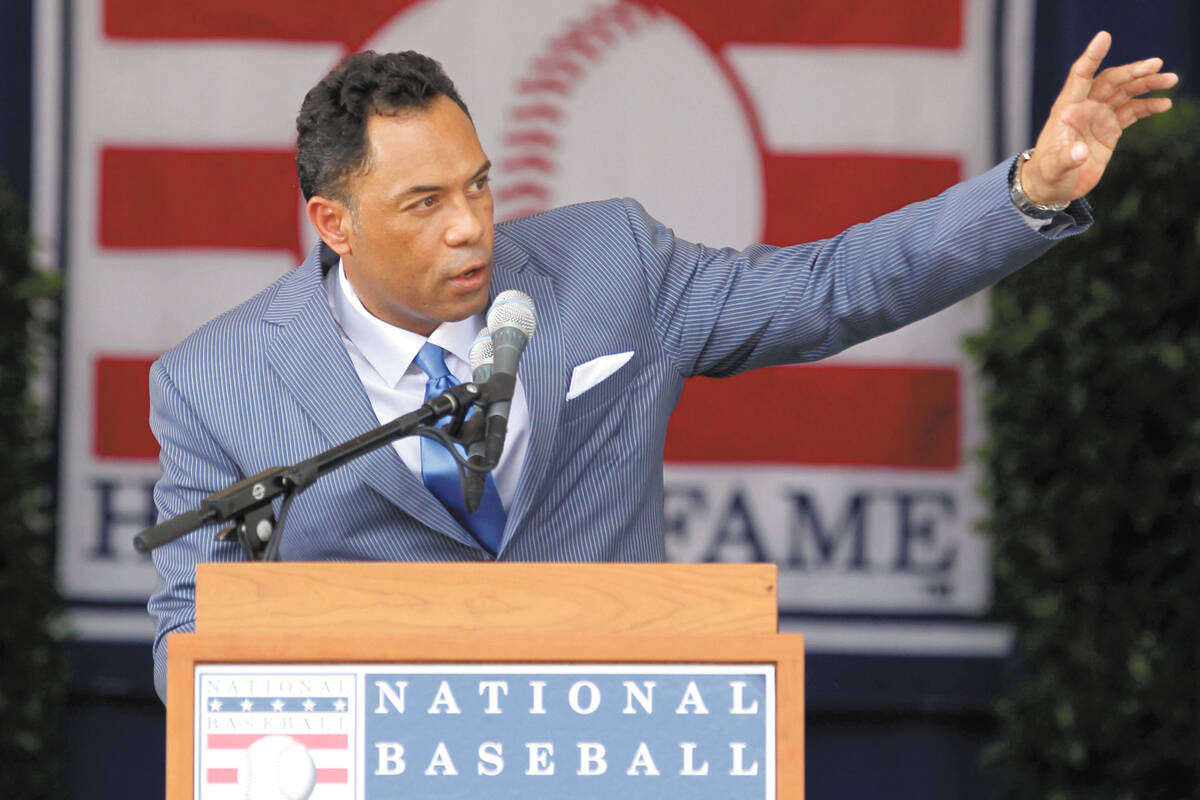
[
  {"x": 588, "y": 100},
  {"x": 277, "y": 768}
]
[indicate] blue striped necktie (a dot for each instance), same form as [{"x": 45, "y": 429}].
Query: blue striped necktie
[{"x": 440, "y": 471}]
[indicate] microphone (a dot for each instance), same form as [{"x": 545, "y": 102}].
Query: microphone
[
  {"x": 481, "y": 370},
  {"x": 511, "y": 320}
]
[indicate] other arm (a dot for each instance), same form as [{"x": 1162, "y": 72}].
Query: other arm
[{"x": 191, "y": 461}]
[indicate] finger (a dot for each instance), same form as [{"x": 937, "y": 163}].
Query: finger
[
  {"x": 1111, "y": 80},
  {"x": 1134, "y": 110},
  {"x": 1150, "y": 83},
  {"x": 1079, "y": 79}
]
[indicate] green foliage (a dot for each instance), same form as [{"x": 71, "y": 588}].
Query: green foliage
[
  {"x": 32, "y": 671},
  {"x": 1093, "y": 360}
]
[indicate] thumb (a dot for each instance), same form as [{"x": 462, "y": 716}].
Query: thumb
[{"x": 1069, "y": 158}]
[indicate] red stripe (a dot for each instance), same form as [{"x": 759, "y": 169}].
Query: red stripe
[
  {"x": 916, "y": 23},
  {"x": 122, "y": 408},
  {"x": 906, "y": 417},
  {"x": 230, "y": 775},
  {"x": 313, "y": 741},
  {"x": 220, "y": 775},
  {"x": 333, "y": 776},
  {"x": 199, "y": 198},
  {"x": 298, "y": 20},
  {"x": 900, "y": 416},
  {"x": 815, "y": 196}
]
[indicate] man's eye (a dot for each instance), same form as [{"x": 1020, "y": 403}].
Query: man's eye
[
  {"x": 428, "y": 202},
  {"x": 480, "y": 184}
]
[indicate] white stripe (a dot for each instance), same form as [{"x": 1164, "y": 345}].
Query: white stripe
[
  {"x": 47, "y": 122},
  {"x": 903, "y": 638},
  {"x": 815, "y": 99},
  {"x": 212, "y": 282},
  {"x": 111, "y": 625},
  {"x": 1018, "y": 73},
  {"x": 233, "y": 93}
]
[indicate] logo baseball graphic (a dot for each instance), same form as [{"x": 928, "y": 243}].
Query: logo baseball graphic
[{"x": 277, "y": 768}]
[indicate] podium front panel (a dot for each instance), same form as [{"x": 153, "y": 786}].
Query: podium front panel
[{"x": 465, "y": 717}]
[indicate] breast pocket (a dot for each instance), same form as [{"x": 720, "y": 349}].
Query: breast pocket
[{"x": 605, "y": 396}]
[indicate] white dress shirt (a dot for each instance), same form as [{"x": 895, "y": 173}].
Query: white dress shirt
[{"x": 383, "y": 356}]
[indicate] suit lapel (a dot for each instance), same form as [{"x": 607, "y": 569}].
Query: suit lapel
[
  {"x": 307, "y": 354},
  {"x": 541, "y": 372}
]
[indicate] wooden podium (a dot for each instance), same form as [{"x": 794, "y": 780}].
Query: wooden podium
[{"x": 649, "y": 620}]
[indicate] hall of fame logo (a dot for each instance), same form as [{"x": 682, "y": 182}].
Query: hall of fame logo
[{"x": 275, "y": 734}]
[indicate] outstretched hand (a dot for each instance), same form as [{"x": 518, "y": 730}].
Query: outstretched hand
[{"x": 1087, "y": 119}]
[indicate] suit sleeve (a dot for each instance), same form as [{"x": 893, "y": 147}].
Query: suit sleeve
[
  {"x": 193, "y": 465},
  {"x": 720, "y": 312}
]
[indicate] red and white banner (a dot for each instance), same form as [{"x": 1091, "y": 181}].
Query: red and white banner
[{"x": 175, "y": 197}]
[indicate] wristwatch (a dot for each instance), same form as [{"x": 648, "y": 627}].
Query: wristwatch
[{"x": 1019, "y": 198}]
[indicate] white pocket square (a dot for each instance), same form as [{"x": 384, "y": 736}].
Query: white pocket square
[{"x": 590, "y": 373}]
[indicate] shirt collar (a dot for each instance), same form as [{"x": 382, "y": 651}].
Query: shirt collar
[{"x": 388, "y": 349}]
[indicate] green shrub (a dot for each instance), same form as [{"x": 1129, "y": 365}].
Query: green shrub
[
  {"x": 1093, "y": 464},
  {"x": 32, "y": 672}
]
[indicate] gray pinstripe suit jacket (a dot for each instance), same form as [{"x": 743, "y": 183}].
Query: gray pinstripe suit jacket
[{"x": 269, "y": 382}]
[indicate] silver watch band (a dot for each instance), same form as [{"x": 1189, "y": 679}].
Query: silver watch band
[{"x": 1021, "y": 200}]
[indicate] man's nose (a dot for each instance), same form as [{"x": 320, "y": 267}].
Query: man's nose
[{"x": 466, "y": 226}]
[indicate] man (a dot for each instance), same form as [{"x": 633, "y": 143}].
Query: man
[{"x": 396, "y": 185}]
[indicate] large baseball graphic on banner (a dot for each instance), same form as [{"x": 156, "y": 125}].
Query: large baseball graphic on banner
[{"x": 587, "y": 100}]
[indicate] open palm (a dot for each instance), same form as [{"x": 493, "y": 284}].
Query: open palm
[{"x": 1086, "y": 121}]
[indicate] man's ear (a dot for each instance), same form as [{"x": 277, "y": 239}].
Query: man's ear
[{"x": 331, "y": 218}]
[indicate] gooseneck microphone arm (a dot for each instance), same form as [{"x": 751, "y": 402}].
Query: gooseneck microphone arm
[{"x": 248, "y": 503}]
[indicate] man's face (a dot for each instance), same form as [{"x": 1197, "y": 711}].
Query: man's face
[{"x": 420, "y": 246}]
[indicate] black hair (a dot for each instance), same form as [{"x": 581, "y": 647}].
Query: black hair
[{"x": 332, "y": 125}]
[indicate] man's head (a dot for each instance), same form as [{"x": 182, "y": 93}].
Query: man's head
[
  {"x": 332, "y": 124},
  {"x": 396, "y": 183}
]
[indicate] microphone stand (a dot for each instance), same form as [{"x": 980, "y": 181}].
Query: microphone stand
[{"x": 248, "y": 504}]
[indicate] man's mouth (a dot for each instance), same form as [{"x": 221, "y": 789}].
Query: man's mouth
[{"x": 471, "y": 277}]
